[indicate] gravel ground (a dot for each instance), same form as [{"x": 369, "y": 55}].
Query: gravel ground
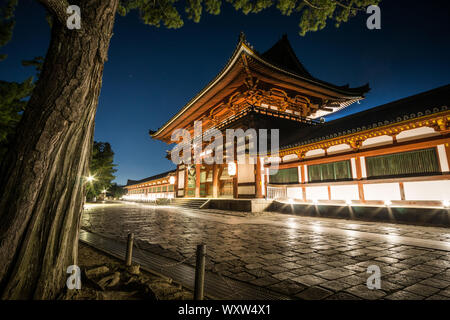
[{"x": 141, "y": 286}]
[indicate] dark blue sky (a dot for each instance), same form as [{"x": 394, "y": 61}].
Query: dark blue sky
[{"x": 151, "y": 73}]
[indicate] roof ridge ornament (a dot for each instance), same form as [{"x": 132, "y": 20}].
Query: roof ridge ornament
[
  {"x": 242, "y": 37},
  {"x": 243, "y": 40}
]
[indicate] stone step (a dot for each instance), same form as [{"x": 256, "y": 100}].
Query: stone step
[{"x": 189, "y": 203}]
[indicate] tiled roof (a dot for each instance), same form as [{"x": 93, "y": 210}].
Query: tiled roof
[
  {"x": 282, "y": 55},
  {"x": 425, "y": 103},
  {"x": 155, "y": 177},
  {"x": 280, "y": 59}
]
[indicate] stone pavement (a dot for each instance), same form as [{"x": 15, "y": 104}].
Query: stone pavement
[{"x": 305, "y": 258}]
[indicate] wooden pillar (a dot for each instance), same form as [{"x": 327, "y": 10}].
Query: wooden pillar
[
  {"x": 266, "y": 180},
  {"x": 197, "y": 180},
  {"x": 235, "y": 177},
  {"x": 235, "y": 183},
  {"x": 302, "y": 169},
  {"x": 258, "y": 183},
  {"x": 402, "y": 191},
  {"x": 215, "y": 192},
  {"x": 186, "y": 172},
  {"x": 175, "y": 187},
  {"x": 447, "y": 152},
  {"x": 359, "y": 178}
]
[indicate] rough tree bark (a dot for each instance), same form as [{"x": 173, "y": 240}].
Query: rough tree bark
[{"x": 42, "y": 178}]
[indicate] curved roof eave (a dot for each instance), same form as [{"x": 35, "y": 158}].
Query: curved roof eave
[{"x": 242, "y": 46}]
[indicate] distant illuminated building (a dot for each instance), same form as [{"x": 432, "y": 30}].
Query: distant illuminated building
[{"x": 160, "y": 186}]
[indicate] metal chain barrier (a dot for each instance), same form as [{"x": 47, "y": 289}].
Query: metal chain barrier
[
  {"x": 168, "y": 265},
  {"x": 231, "y": 287},
  {"x": 234, "y": 290},
  {"x": 176, "y": 263}
]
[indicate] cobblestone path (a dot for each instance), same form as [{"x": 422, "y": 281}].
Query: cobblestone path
[{"x": 306, "y": 258}]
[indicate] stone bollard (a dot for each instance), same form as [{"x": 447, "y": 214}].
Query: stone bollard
[
  {"x": 129, "y": 253},
  {"x": 200, "y": 272}
]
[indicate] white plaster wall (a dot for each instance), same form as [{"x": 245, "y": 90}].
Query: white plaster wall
[
  {"x": 363, "y": 167},
  {"x": 382, "y": 191},
  {"x": 338, "y": 148},
  {"x": 315, "y": 153},
  {"x": 443, "y": 158},
  {"x": 246, "y": 190},
  {"x": 427, "y": 190},
  {"x": 353, "y": 163},
  {"x": 317, "y": 193},
  {"x": 290, "y": 157},
  {"x": 416, "y": 133},
  {"x": 294, "y": 193},
  {"x": 344, "y": 192},
  {"x": 273, "y": 160},
  {"x": 377, "y": 141},
  {"x": 246, "y": 173},
  {"x": 180, "y": 179}
]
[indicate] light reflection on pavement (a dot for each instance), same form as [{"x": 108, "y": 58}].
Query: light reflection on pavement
[{"x": 302, "y": 256}]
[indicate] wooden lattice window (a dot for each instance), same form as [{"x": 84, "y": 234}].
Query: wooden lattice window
[
  {"x": 418, "y": 162},
  {"x": 333, "y": 171},
  {"x": 284, "y": 176}
]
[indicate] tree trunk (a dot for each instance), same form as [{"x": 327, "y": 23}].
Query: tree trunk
[{"x": 42, "y": 179}]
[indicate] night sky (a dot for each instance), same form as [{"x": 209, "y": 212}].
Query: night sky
[{"x": 151, "y": 73}]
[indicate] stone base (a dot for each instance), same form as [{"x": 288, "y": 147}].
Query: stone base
[
  {"x": 247, "y": 205},
  {"x": 415, "y": 216}
]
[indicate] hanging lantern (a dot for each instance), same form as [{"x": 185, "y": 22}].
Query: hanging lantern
[{"x": 231, "y": 168}]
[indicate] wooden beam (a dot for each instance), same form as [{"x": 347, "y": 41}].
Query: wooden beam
[{"x": 380, "y": 150}]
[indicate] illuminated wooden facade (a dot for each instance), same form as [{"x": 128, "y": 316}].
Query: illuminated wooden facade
[
  {"x": 397, "y": 153},
  {"x": 260, "y": 91},
  {"x": 160, "y": 186}
]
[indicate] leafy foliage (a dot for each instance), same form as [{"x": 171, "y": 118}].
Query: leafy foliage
[
  {"x": 314, "y": 14},
  {"x": 12, "y": 94},
  {"x": 13, "y": 101},
  {"x": 7, "y": 24},
  {"x": 12, "y": 105},
  {"x": 101, "y": 168},
  {"x": 37, "y": 62},
  {"x": 116, "y": 191}
]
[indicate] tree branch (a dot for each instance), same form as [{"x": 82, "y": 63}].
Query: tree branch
[
  {"x": 335, "y": 1},
  {"x": 311, "y": 5},
  {"x": 58, "y": 8},
  {"x": 348, "y": 7}
]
